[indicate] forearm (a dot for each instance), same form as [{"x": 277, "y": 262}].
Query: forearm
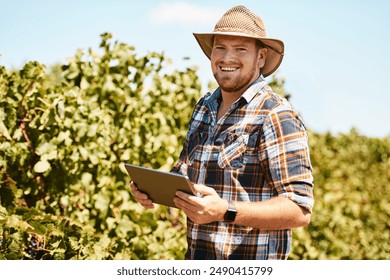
[{"x": 273, "y": 214}]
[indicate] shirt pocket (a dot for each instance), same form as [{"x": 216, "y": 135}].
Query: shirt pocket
[{"x": 232, "y": 151}]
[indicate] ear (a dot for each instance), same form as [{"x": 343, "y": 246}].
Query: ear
[{"x": 262, "y": 54}]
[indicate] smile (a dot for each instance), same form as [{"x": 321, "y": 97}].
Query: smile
[{"x": 228, "y": 69}]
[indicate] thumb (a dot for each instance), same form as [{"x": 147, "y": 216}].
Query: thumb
[{"x": 202, "y": 190}]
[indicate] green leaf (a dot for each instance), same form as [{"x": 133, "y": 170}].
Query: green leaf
[
  {"x": 38, "y": 228},
  {"x": 41, "y": 166},
  {"x": 3, "y": 129}
]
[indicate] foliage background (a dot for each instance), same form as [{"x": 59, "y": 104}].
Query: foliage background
[{"x": 66, "y": 131}]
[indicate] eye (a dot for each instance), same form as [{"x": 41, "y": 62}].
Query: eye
[
  {"x": 241, "y": 49},
  {"x": 219, "y": 48}
]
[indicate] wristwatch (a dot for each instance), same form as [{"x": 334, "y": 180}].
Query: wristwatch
[{"x": 230, "y": 214}]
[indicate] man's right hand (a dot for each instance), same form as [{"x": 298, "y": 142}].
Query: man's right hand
[{"x": 141, "y": 197}]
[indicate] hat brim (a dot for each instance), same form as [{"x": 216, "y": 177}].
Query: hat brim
[{"x": 275, "y": 48}]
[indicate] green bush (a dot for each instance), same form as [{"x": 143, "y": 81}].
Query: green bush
[
  {"x": 64, "y": 191},
  {"x": 351, "y": 218}
]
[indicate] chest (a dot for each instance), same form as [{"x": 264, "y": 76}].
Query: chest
[{"x": 230, "y": 141}]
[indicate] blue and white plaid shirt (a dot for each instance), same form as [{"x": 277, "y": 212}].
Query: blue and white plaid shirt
[{"x": 256, "y": 151}]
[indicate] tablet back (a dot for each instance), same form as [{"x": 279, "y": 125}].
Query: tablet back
[{"x": 158, "y": 185}]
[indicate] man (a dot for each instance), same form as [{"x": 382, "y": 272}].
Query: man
[{"x": 246, "y": 151}]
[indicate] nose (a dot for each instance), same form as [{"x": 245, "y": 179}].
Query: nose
[{"x": 228, "y": 55}]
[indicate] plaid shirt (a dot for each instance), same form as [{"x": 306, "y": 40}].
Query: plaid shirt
[{"x": 256, "y": 151}]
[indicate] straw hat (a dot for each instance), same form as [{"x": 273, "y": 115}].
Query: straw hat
[{"x": 240, "y": 21}]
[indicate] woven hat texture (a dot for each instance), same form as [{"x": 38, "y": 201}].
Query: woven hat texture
[{"x": 240, "y": 21}]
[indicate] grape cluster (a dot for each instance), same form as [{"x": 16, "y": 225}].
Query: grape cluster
[{"x": 35, "y": 248}]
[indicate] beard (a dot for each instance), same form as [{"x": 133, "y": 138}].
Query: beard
[{"x": 236, "y": 83}]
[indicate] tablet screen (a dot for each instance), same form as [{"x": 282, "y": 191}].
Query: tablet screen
[{"x": 160, "y": 186}]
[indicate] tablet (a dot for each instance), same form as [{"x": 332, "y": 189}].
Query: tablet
[{"x": 158, "y": 185}]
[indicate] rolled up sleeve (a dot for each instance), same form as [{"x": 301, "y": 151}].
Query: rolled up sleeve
[{"x": 285, "y": 156}]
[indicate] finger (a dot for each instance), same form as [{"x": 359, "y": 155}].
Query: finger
[
  {"x": 138, "y": 194},
  {"x": 191, "y": 205},
  {"x": 203, "y": 190},
  {"x": 188, "y": 208},
  {"x": 148, "y": 204},
  {"x": 141, "y": 197},
  {"x": 194, "y": 200},
  {"x": 133, "y": 187}
]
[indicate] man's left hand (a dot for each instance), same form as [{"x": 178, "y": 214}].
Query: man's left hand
[{"x": 204, "y": 208}]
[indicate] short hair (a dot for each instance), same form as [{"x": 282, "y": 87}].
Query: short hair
[{"x": 260, "y": 44}]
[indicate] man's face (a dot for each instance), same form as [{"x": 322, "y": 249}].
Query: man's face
[{"x": 236, "y": 62}]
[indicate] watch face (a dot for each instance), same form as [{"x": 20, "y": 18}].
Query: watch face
[{"x": 230, "y": 215}]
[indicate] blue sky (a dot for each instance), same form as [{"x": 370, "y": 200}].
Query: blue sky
[{"x": 336, "y": 59}]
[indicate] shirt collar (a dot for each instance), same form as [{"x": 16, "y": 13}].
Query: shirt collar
[{"x": 253, "y": 89}]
